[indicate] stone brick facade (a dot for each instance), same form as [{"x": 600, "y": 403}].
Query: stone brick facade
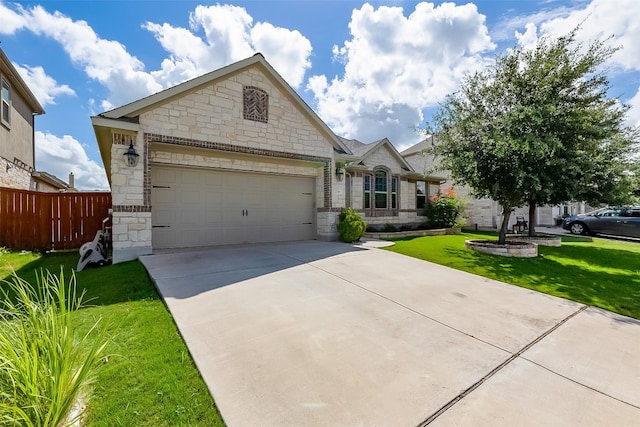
[
  {"x": 384, "y": 158},
  {"x": 14, "y": 176},
  {"x": 206, "y": 129}
]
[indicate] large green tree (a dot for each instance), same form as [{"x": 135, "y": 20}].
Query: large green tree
[{"x": 537, "y": 127}]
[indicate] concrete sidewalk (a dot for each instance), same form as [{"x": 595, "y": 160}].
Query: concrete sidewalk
[{"x": 316, "y": 334}]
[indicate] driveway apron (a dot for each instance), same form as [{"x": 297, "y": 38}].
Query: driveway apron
[{"x": 329, "y": 334}]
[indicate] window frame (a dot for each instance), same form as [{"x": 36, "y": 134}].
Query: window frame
[
  {"x": 377, "y": 192},
  {"x": 395, "y": 183},
  {"x": 4, "y": 82},
  {"x": 384, "y": 193},
  {"x": 366, "y": 187},
  {"x": 424, "y": 196}
]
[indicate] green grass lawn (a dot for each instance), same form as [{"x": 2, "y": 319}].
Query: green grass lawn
[
  {"x": 598, "y": 272},
  {"x": 148, "y": 379}
]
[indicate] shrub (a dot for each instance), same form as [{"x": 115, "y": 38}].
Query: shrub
[
  {"x": 371, "y": 229},
  {"x": 45, "y": 365},
  {"x": 406, "y": 227},
  {"x": 389, "y": 228},
  {"x": 444, "y": 210},
  {"x": 351, "y": 226}
]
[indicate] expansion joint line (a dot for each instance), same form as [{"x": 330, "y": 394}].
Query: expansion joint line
[{"x": 497, "y": 369}]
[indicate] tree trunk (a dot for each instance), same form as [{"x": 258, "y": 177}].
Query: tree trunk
[
  {"x": 502, "y": 235},
  {"x": 532, "y": 218}
]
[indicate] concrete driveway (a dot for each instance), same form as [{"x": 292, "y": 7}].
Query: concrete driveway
[{"x": 330, "y": 334}]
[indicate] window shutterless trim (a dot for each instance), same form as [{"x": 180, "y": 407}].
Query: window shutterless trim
[{"x": 5, "y": 102}]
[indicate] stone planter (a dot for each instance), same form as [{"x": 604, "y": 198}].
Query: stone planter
[
  {"x": 539, "y": 239},
  {"x": 411, "y": 233},
  {"x": 510, "y": 249}
]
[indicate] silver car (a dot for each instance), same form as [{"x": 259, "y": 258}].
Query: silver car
[{"x": 616, "y": 221}]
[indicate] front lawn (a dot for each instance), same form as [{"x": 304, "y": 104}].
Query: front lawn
[
  {"x": 148, "y": 378},
  {"x": 598, "y": 272}
]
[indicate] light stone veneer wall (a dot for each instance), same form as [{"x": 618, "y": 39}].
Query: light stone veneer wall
[
  {"x": 214, "y": 114},
  {"x": 131, "y": 232},
  {"x": 385, "y": 158},
  {"x": 131, "y": 228},
  {"x": 482, "y": 213},
  {"x": 14, "y": 176}
]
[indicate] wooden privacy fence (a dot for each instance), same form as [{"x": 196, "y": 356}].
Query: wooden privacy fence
[{"x": 38, "y": 221}]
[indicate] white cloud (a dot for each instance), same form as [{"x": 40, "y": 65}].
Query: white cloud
[
  {"x": 633, "y": 115},
  {"x": 228, "y": 36},
  {"x": 396, "y": 65},
  {"x": 60, "y": 156},
  {"x": 10, "y": 20},
  {"x": 601, "y": 19},
  {"x": 287, "y": 51},
  {"x": 529, "y": 38},
  {"x": 105, "y": 61},
  {"x": 43, "y": 86}
]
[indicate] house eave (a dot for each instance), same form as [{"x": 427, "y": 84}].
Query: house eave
[
  {"x": 104, "y": 128},
  {"x": 20, "y": 85}
]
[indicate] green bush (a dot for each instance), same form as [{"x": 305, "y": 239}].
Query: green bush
[
  {"x": 389, "y": 228},
  {"x": 351, "y": 226},
  {"x": 444, "y": 210}
]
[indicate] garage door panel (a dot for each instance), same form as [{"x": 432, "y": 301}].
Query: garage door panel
[
  {"x": 164, "y": 217},
  {"x": 209, "y": 207}
]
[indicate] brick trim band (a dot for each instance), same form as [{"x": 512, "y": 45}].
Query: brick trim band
[{"x": 131, "y": 208}]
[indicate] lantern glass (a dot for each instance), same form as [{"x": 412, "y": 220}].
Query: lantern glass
[{"x": 131, "y": 156}]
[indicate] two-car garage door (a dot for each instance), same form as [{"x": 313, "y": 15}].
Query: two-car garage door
[{"x": 200, "y": 207}]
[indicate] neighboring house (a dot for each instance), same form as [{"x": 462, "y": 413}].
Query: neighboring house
[
  {"x": 43, "y": 181},
  {"x": 483, "y": 213},
  {"x": 236, "y": 156},
  {"x": 18, "y": 110}
]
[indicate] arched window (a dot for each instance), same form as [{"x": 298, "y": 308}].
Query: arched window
[{"x": 381, "y": 190}]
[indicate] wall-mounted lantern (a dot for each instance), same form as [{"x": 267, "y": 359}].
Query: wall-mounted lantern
[{"x": 132, "y": 156}]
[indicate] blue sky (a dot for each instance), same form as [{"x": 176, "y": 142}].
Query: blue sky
[{"x": 369, "y": 69}]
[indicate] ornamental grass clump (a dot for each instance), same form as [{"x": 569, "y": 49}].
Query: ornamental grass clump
[
  {"x": 351, "y": 226},
  {"x": 46, "y": 365}
]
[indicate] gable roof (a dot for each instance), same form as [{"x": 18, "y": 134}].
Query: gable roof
[
  {"x": 52, "y": 180},
  {"x": 362, "y": 150},
  {"x": 357, "y": 148},
  {"x": 10, "y": 72},
  {"x": 126, "y": 117},
  {"x": 131, "y": 111},
  {"x": 419, "y": 147}
]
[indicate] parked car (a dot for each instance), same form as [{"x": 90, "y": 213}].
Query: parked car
[{"x": 616, "y": 221}]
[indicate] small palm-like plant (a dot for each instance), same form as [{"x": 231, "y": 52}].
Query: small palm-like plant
[{"x": 45, "y": 364}]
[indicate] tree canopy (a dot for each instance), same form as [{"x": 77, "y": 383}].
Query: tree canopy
[{"x": 538, "y": 127}]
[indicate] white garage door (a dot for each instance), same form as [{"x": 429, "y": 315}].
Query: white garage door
[{"x": 197, "y": 207}]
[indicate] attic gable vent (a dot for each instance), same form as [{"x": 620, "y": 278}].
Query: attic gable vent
[{"x": 256, "y": 104}]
